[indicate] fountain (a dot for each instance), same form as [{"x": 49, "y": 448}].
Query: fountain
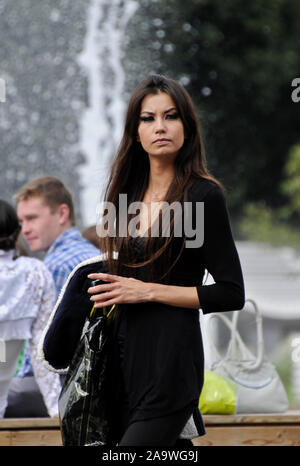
[
  {"x": 61, "y": 68},
  {"x": 101, "y": 123}
]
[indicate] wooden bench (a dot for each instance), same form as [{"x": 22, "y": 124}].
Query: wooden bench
[
  {"x": 251, "y": 429},
  {"x": 30, "y": 432},
  {"x": 222, "y": 430}
]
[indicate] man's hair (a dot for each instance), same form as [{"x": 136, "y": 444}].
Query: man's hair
[{"x": 51, "y": 189}]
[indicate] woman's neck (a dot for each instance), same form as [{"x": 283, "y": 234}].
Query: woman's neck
[{"x": 160, "y": 179}]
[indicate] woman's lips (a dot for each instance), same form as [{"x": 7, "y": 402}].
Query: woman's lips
[{"x": 162, "y": 141}]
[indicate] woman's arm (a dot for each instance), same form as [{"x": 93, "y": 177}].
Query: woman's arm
[
  {"x": 220, "y": 258},
  {"x": 180, "y": 296},
  {"x": 118, "y": 290}
]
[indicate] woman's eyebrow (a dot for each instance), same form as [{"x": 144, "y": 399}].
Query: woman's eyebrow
[
  {"x": 166, "y": 111},
  {"x": 170, "y": 109}
]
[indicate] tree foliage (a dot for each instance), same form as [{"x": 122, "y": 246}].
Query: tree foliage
[
  {"x": 291, "y": 183},
  {"x": 237, "y": 59}
]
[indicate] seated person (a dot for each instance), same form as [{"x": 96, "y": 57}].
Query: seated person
[{"x": 27, "y": 297}]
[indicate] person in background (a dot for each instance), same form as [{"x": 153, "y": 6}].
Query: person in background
[
  {"x": 46, "y": 213},
  {"x": 90, "y": 233},
  {"x": 27, "y": 296}
]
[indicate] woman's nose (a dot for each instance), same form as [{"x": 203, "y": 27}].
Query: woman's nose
[{"x": 160, "y": 125}]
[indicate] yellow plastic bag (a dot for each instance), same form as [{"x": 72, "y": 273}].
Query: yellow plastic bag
[{"x": 218, "y": 395}]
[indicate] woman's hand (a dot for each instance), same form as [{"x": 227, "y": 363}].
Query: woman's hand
[{"x": 118, "y": 290}]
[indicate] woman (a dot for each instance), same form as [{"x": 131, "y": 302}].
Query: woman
[
  {"x": 156, "y": 281},
  {"x": 27, "y": 296}
]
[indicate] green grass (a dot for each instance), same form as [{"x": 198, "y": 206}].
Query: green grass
[{"x": 263, "y": 224}]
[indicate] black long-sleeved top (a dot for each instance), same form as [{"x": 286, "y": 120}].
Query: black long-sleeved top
[
  {"x": 163, "y": 354},
  {"x": 163, "y": 362}
]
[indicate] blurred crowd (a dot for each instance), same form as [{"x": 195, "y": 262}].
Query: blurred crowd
[{"x": 40, "y": 245}]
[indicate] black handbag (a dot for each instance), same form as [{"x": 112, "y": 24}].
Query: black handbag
[{"x": 84, "y": 399}]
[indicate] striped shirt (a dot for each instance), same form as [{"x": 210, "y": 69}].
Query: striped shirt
[{"x": 67, "y": 251}]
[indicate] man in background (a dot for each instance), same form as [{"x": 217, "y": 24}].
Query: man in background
[{"x": 46, "y": 212}]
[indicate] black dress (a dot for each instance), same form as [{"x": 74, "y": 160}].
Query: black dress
[
  {"x": 162, "y": 353},
  {"x": 162, "y": 357}
]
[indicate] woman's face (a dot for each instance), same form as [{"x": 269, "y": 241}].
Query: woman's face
[{"x": 160, "y": 130}]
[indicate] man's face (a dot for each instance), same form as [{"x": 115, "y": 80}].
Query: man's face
[{"x": 40, "y": 225}]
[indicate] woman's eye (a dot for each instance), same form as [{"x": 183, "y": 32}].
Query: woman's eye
[
  {"x": 172, "y": 116},
  {"x": 169, "y": 116},
  {"x": 148, "y": 118}
]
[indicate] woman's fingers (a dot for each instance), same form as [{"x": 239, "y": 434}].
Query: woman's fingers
[
  {"x": 109, "y": 302},
  {"x": 103, "y": 294},
  {"x": 105, "y": 299},
  {"x": 100, "y": 288},
  {"x": 116, "y": 290},
  {"x": 106, "y": 277}
]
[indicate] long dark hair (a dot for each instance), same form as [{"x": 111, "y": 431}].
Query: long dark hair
[
  {"x": 130, "y": 172},
  {"x": 9, "y": 226}
]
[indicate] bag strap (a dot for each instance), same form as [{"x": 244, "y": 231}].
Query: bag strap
[
  {"x": 105, "y": 313},
  {"x": 236, "y": 341},
  {"x": 235, "y": 336},
  {"x": 215, "y": 352}
]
